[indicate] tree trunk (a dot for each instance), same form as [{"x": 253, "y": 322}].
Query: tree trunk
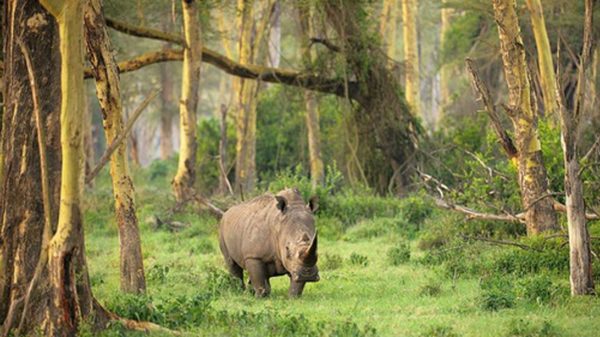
[
  {"x": 275, "y": 36},
  {"x": 446, "y": 14},
  {"x": 388, "y": 27},
  {"x": 252, "y": 33},
  {"x": 22, "y": 222},
  {"x": 190, "y": 85},
  {"x": 411, "y": 54},
  {"x": 582, "y": 281},
  {"x": 109, "y": 96},
  {"x": 533, "y": 181},
  {"x": 546, "y": 66},
  {"x": 317, "y": 174},
  {"x": 166, "y": 112},
  {"x": 88, "y": 139}
]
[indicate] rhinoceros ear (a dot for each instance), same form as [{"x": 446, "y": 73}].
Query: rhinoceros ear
[
  {"x": 281, "y": 203},
  {"x": 313, "y": 203}
]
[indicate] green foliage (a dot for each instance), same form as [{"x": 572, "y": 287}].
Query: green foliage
[
  {"x": 540, "y": 289},
  {"x": 439, "y": 331},
  {"x": 497, "y": 293},
  {"x": 358, "y": 260},
  {"x": 399, "y": 254},
  {"x": 330, "y": 261},
  {"x": 525, "y": 328},
  {"x": 432, "y": 288},
  {"x": 207, "y": 158}
]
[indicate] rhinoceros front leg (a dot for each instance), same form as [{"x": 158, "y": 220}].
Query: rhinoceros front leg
[
  {"x": 258, "y": 277},
  {"x": 296, "y": 288}
]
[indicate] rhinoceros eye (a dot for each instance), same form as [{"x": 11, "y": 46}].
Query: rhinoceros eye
[{"x": 288, "y": 251}]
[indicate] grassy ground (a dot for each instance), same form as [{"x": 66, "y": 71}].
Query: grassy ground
[{"x": 360, "y": 292}]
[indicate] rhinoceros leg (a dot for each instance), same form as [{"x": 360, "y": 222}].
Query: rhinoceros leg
[
  {"x": 234, "y": 269},
  {"x": 258, "y": 277},
  {"x": 296, "y": 288}
]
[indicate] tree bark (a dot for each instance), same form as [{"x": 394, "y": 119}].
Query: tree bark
[
  {"x": 109, "y": 96},
  {"x": 582, "y": 281},
  {"x": 411, "y": 54},
  {"x": 22, "y": 222},
  {"x": 533, "y": 180},
  {"x": 185, "y": 177},
  {"x": 317, "y": 174},
  {"x": 544, "y": 53}
]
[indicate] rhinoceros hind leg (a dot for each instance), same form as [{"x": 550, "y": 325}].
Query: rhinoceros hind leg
[
  {"x": 257, "y": 275},
  {"x": 234, "y": 269}
]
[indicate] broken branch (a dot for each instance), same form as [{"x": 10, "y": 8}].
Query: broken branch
[{"x": 120, "y": 138}]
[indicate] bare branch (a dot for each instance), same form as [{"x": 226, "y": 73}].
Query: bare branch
[
  {"x": 120, "y": 138},
  {"x": 326, "y": 43},
  {"x": 143, "y": 60},
  {"x": 473, "y": 214},
  {"x": 484, "y": 96}
]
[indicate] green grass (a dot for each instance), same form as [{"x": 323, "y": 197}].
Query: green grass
[{"x": 410, "y": 299}]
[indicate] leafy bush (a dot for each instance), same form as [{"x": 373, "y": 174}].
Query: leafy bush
[
  {"x": 539, "y": 288},
  {"x": 359, "y": 260},
  {"x": 330, "y": 261},
  {"x": 329, "y": 227},
  {"x": 399, "y": 254},
  {"x": 439, "y": 331},
  {"x": 522, "y": 262},
  {"x": 497, "y": 293},
  {"x": 432, "y": 288},
  {"x": 209, "y": 136},
  {"x": 216, "y": 281},
  {"x": 526, "y": 328}
]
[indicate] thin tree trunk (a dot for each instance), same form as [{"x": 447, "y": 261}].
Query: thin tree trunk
[
  {"x": 190, "y": 85},
  {"x": 582, "y": 281},
  {"x": 275, "y": 36},
  {"x": 446, "y": 15},
  {"x": 250, "y": 40},
  {"x": 88, "y": 139},
  {"x": 533, "y": 181},
  {"x": 411, "y": 54},
  {"x": 166, "y": 112},
  {"x": 546, "y": 66},
  {"x": 109, "y": 95},
  {"x": 317, "y": 174},
  {"x": 388, "y": 27}
]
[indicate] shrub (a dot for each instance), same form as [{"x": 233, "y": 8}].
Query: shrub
[
  {"x": 399, "y": 254},
  {"x": 359, "y": 260},
  {"x": 216, "y": 281},
  {"x": 330, "y": 261},
  {"x": 158, "y": 273},
  {"x": 438, "y": 331},
  {"x": 497, "y": 293},
  {"x": 523, "y": 328},
  {"x": 432, "y": 288},
  {"x": 539, "y": 289},
  {"x": 329, "y": 227}
]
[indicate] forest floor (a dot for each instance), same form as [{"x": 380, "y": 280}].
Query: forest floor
[{"x": 360, "y": 292}]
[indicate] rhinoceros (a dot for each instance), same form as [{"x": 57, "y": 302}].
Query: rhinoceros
[{"x": 271, "y": 235}]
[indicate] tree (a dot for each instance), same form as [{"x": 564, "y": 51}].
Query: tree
[
  {"x": 317, "y": 174},
  {"x": 109, "y": 95},
  {"x": 533, "y": 181},
  {"x": 389, "y": 130},
  {"x": 411, "y": 54},
  {"x": 446, "y": 17},
  {"x": 252, "y": 33},
  {"x": 582, "y": 281},
  {"x": 544, "y": 53},
  {"x": 388, "y": 27},
  {"x": 166, "y": 111},
  {"x": 190, "y": 86},
  {"x": 41, "y": 259}
]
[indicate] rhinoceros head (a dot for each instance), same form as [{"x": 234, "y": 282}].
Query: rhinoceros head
[{"x": 298, "y": 237}]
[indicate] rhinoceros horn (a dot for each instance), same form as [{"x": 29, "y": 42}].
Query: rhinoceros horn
[{"x": 310, "y": 255}]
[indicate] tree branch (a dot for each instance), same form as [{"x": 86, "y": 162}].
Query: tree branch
[
  {"x": 484, "y": 96},
  {"x": 143, "y": 60},
  {"x": 326, "y": 43},
  {"x": 120, "y": 138},
  {"x": 250, "y": 71},
  {"x": 473, "y": 214}
]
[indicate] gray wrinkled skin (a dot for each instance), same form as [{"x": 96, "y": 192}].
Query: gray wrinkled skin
[{"x": 268, "y": 236}]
